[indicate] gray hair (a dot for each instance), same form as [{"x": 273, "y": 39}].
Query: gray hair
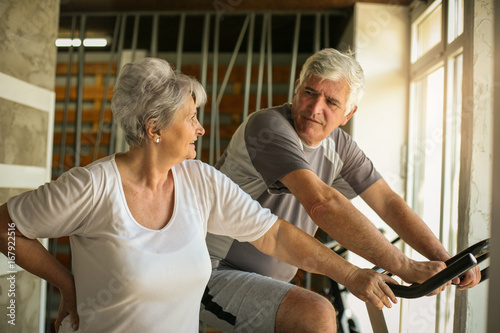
[
  {"x": 330, "y": 64},
  {"x": 149, "y": 89}
]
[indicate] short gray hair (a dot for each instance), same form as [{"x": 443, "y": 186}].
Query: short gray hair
[
  {"x": 330, "y": 64},
  {"x": 150, "y": 89}
]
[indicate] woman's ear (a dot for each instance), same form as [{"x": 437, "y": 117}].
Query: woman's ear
[{"x": 151, "y": 129}]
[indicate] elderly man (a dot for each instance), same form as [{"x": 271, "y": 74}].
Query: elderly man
[{"x": 295, "y": 160}]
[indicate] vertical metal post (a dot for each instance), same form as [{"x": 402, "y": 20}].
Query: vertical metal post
[
  {"x": 214, "y": 109},
  {"x": 269, "y": 64},
  {"x": 135, "y": 35},
  {"x": 112, "y": 134},
  {"x": 62, "y": 147},
  {"x": 317, "y": 33},
  {"x": 293, "y": 66},
  {"x": 79, "y": 102},
  {"x": 248, "y": 74},
  {"x": 226, "y": 79},
  {"x": 326, "y": 30},
  {"x": 203, "y": 74},
  {"x": 122, "y": 39},
  {"x": 233, "y": 59},
  {"x": 60, "y": 169},
  {"x": 260, "y": 78},
  {"x": 180, "y": 41},
  {"x": 106, "y": 88},
  {"x": 154, "y": 36}
]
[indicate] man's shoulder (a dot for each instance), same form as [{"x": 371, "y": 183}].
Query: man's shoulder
[
  {"x": 276, "y": 112},
  {"x": 340, "y": 136},
  {"x": 273, "y": 122}
]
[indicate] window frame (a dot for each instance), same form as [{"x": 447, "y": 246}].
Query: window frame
[{"x": 441, "y": 55}]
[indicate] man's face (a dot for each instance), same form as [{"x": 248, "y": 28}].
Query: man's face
[{"x": 318, "y": 108}]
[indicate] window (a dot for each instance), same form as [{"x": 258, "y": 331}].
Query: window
[
  {"x": 455, "y": 19},
  {"x": 426, "y": 31},
  {"x": 434, "y": 144}
]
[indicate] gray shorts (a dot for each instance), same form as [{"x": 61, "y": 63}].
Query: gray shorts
[{"x": 237, "y": 301}]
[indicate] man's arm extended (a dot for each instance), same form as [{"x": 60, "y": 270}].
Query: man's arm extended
[
  {"x": 336, "y": 215},
  {"x": 410, "y": 227},
  {"x": 290, "y": 244}
]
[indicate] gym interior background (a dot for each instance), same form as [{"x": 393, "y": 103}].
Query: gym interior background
[{"x": 427, "y": 119}]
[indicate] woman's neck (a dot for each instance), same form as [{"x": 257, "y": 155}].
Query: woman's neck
[{"x": 144, "y": 166}]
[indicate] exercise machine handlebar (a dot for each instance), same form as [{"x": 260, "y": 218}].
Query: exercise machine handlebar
[
  {"x": 418, "y": 290},
  {"x": 457, "y": 266}
]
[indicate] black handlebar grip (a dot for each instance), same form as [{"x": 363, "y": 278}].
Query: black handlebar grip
[
  {"x": 457, "y": 268},
  {"x": 480, "y": 250}
]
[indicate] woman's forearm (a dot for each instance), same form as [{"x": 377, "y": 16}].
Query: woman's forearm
[{"x": 30, "y": 254}]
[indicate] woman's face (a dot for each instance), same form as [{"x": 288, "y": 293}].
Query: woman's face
[{"x": 180, "y": 135}]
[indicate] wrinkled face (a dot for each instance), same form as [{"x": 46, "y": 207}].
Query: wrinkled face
[
  {"x": 318, "y": 108},
  {"x": 182, "y": 133}
]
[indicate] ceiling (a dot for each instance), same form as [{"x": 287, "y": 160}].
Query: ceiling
[
  {"x": 101, "y": 20},
  {"x": 68, "y": 6}
]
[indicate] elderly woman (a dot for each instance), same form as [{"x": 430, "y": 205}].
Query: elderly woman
[{"x": 137, "y": 221}]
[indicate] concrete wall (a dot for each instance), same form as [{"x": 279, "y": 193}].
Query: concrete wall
[
  {"x": 28, "y": 29},
  {"x": 494, "y": 291},
  {"x": 477, "y": 153},
  {"x": 382, "y": 49}
]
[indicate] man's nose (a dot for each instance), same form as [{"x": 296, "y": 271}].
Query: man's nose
[{"x": 318, "y": 104}]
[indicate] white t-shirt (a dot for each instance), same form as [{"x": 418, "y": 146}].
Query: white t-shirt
[{"x": 130, "y": 278}]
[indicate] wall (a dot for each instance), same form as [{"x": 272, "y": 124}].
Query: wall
[
  {"x": 28, "y": 30},
  {"x": 477, "y": 153},
  {"x": 379, "y": 37},
  {"x": 494, "y": 291},
  {"x": 380, "y": 125}
]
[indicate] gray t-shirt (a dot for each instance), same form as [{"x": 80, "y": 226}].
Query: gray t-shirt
[{"x": 265, "y": 148}]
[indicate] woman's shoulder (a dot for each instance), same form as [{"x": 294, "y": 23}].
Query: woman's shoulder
[
  {"x": 192, "y": 166},
  {"x": 103, "y": 162},
  {"x": 199, "y": 172},
  {"x": 103, "y": 166},
  {"x": 98, "y": 172}
]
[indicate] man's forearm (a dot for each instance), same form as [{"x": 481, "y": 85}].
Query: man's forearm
[
  {"x": 353, "y": 230},
  {"x": 348, "y": 226},
  {"x": 290, "y": 244},
  {"x": 336, "y": 215},
  {"x": 404, "y": 221},
  {"x": 413, "y": 230}
]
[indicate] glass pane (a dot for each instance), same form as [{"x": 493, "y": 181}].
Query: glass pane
[
  {"x": 427, "y": 32},
  {"x": 430, "y": 194},
  {"x": 426, "y": 152},
  {"x": 451, "y": 181},
  {"x": 427, "y": 148},
  {"x": 455, "y": 19}
]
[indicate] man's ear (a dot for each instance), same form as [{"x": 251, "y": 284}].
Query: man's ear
[
  {"x": 349, "y": 115},
  {"x": 297, "y": 82}
]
